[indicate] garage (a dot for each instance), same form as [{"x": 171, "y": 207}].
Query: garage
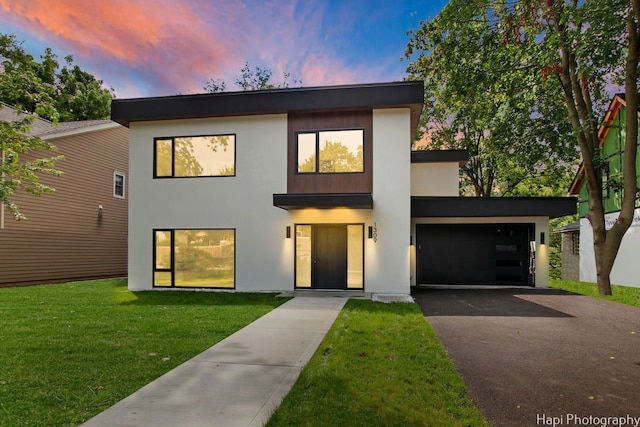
[{"x": 474, "y": 254}]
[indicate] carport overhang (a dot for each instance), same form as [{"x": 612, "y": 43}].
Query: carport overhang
[{"x": 443, "y": 207}]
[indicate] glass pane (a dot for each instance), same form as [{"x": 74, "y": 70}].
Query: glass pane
[
  {"x": 204, "y": 258},
  {"x": 355, "y": 256},
  {"x": 163, "y": 250},
  {"x": 205, "y": 156},
  {"x": 163, "y": 157},
  {"x": 341, "y": 151},
  {"x": 303, "y": 256},
  {"x": 162, "y": 278},
  {"x": 306, "y": 152},
  {"x": 118, "y": 185}
]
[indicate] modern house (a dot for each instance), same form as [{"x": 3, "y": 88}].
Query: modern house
[
  {"x": 313, "y": 188},
  {"x": 611, "y": 135},
  {"x": 80, "y": 230}
]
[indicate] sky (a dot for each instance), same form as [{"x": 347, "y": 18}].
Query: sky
[{"x": 146, "y": 48}]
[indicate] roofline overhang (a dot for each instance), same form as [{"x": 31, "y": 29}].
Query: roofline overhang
[
  {"x": 440, "y": 156},
  {"x": 323, "y": 201},
  {"x": 405, "y": 94},
  {"x": 78, "y": 131},
  {"x": 434, "y": 207}
]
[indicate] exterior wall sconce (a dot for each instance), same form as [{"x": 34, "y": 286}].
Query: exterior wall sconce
[
  {"x": 288, "y": 232},
  {"x": 542, "y": 238},
  {"x": 99, "y": 211}
]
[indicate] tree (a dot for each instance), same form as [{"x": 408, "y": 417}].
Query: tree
[
  {"x": 578, "y": 48},
  {"x": 42, "y": 89},
  {"x": 18, "y": 174},
  {"x": 256, "y": 79},
  {"x": 479, "y": 97}
]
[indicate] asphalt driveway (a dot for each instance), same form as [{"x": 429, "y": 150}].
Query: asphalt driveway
[{"x": 541, "y": 357}]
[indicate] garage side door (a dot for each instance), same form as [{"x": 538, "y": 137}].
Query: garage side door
[{"x": 494, "y": 254}]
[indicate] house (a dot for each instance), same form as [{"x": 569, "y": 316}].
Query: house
[
  {"x": 313, "y": 188},
  {"x": 626, "y": 269},
  {"x": 80, "y": 230}
]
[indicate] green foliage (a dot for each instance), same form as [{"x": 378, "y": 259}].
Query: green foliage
[
  {"x": 72, "y": 350},
  {"x": 258, "y": 78},
  {"x": 379, "y": 365},
  {"x": 488, "y": 97},
  {"x": 20, "y": 174},
  {"x": 622, "y": 294},
  {"x": 555, "y": 245},
  {"x": 41, "y": 88},
  {"x": 335, "y": 157}
]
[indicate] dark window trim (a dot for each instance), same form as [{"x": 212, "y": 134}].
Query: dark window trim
[
  {"x": 173, "y": 162},
  {"x": 172, "y": 269},
  {"x": 317, "y": 133}
]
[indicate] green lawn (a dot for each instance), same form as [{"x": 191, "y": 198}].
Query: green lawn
[
  {"x": 622, "y": 294},
  {"x": 379, "y": 365},
  {"x": 69, "y": 351}
]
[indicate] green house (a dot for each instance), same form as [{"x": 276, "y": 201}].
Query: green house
[{"x": 611, "y": 135}]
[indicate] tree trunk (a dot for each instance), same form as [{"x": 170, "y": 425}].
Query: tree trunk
[{"x": 607, "y": 243}]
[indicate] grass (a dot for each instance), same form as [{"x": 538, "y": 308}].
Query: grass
[
  {"x": 622, "y": 294},
  {"x": 69, "y": 351},
  {"x": 379, "y": 365}
]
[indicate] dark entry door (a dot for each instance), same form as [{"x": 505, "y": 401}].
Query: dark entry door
[
  {"x": 329, "y": 255},
  {"x": 475, "y": 254}
]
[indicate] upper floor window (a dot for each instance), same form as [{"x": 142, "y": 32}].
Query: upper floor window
[
  {"x": 335, "y": 151},
  {"x": 191, "y": 156},
  {"x": 118, "y": 185}
]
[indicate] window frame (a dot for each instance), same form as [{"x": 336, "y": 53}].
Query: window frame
[
  {"x": 317, "y": 133},
  {"x": 115, "y": 186},
  {"x": 172, "y": 258},
  {"x": 173, "y": 157}
]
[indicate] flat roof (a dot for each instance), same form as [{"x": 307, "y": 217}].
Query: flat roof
[
  {"x": 552, "y": 207},
  {"x": 440, "y": 156},
  {"x": 409, "y": 94}
]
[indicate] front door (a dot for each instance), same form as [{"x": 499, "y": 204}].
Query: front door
[{"x": 329, "y": 256}]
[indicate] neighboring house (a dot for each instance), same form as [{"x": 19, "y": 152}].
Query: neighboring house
[
  {"x": 570, "y": 251},
  {"x": 313, "y": 188},
  {"x": 626, "y": 269},
  {"x": 80, "y": 230}
]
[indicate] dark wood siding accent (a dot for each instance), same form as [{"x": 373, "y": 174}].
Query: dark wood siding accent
[
  {"x": 338, "y": 182},
  {"x": 64, "y": 238}
]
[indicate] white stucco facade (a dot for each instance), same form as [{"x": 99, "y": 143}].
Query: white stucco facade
[
  {"x": 435, "y": 179},
  {"x": 264, "y": 257},
  {"x": 285, "y": 217},
  {"x": 242, "y": 202},
  {"x": 626, "y": 269}
]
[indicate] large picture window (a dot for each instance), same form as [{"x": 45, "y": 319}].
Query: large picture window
[
  {"x": 194, "y": 258},
  {"x": 193, "y": 156},
  {"x": 335, "y": 151}
]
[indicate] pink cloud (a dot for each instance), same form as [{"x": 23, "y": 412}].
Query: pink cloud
[{"x": 161, "y": 47}]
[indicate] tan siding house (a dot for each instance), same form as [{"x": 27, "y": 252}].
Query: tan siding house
[{"x": 80, "y": 231}]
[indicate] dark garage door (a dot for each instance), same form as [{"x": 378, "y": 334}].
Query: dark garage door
[{"x": 487, "y": 254}]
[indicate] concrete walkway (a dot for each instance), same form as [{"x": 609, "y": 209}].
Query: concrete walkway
[{"x": 238, "y": 382}]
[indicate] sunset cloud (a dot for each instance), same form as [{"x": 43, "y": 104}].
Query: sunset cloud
[{"x": 163, "y": 47}]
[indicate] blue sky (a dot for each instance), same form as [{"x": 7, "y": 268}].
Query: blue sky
[{"x": 164, "y": 47}]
